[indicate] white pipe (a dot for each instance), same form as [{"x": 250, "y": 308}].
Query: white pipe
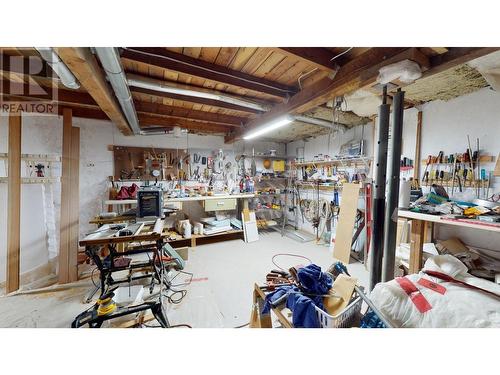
[
  {"x": 162, "y": 87},
  {"x": 321, "y": 122},
  {"x": 59, "y": 67},
  {"x": 111, "y": 63}
]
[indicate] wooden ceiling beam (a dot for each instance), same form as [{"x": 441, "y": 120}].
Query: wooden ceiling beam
[
  {"x": 456, "y": 56},
  {"x": 75, "y": 99},
  {"x": 362, "y": 72},
  {"x": 163, "y": 58},
  {"x": 149, "y": 120},
  {"x": 19, "y": 65},
  {"x": 23, "y": 90},
  {"x": 84, "y": 66},
  {"x": 355, "y": 74},
  {"x": 195, "y": 100},
  {"x": 188, "y": 114},
  {"x": 319, "y": 57}
]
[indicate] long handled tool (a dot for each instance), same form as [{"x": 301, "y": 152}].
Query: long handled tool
[{"x": 454, "y": 172}]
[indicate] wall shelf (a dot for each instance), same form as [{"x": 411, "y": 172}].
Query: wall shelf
[{"x": 34, "y": 180}]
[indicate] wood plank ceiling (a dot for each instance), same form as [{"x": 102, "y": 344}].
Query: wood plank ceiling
[{"x": 276, "y": 80}]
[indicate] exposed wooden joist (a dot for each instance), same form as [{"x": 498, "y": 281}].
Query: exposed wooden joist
[
  {"x": 149, "y": 120},
  {"x": 361, "y": 72},
  {"x": 456, "y": 56},
  {"x": 319, "y": 57},
  {"x": 28, "y": 91},
  {"x": 14, "y": 204},
  {"x": 25, "y": 65},
  {"x": 65, "y": 221},
  {"x": 74, "y": 98},
  {"x": 74, "y": 208},
  {"x": 86, "y": 69},
  {"x": 188, "y": 114},
  {"x": 177, "y": 62},
  {"x": 196, "y": 100},
  {"x": 353, "y": 75}
]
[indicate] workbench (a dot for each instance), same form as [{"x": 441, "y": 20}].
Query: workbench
[{"x": 423, "y": 224}]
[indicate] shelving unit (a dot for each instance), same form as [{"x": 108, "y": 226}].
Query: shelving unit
[{"x": 346, "y": 162}]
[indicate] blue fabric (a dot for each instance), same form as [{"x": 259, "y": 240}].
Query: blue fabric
[
  {"x": 314, "y": 282},
  {"x": 371, "y": 320}
]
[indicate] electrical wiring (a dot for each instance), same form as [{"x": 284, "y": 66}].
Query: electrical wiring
[
  {"x": 243, "y": 325},
  {"x": 184, "y": 283},
  {"x": 92, "y": 277},
  {"x": 341, "y": 53},
  {"x": 289, "y": 255}
]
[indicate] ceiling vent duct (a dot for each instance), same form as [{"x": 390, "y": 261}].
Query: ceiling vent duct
[
  {"x": 110, "y": 61},
  {"x": 155, "y": 85},
  {"x": 59, "y": 67}
]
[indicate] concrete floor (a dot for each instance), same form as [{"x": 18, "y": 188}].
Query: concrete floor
[{"x": 219, "y": 296}]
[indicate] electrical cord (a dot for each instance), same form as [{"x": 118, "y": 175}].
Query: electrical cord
[
  {"x": 290, "y": 255},
  {"x": 243, "y": 325}
]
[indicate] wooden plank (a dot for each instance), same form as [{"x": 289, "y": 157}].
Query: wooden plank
[
  {"x": 496, "y": 172},
  {"x": 242, "y": 57},
  {"x": 456, "y": 56},
  {"x": 188, "y": 114},
  {"x": 74, "y": 205},
  {"x": 361, "y": 72},
  {"x": 358, "y": 73},
  {"x": 65, "y": 221},
  {"x": 14, "y": 204},
  {"x": 416, "y": 245},
  {"x": 150, "y": 120},
  {"x": 84, "y": 66},
  {"x": 201, "y": 69},
  {"x": 345, "y": 226},
  {"x": 318, "y": 57}
]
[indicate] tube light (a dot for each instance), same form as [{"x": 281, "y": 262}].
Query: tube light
[{"x": 270, "y": 126}]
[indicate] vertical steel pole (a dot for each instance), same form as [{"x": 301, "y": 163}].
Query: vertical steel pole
[
  {"x": 379, "y": 180},
  {"x": 394, "y": 163}
]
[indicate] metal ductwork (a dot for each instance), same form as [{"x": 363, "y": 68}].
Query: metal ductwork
[
  {"x": 154, "y": 85},
  {"x": 59, "y": 67},
  {"x": 176, "y": 131},
  {"x": 110, "y": 61},
  {"x": 322, "y": 123}
]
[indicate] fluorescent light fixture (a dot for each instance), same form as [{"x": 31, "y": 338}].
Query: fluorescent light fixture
[{"x": 270, "y": 126}]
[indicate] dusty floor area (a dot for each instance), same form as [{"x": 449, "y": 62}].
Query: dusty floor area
[{"x": 219, "y": 296}]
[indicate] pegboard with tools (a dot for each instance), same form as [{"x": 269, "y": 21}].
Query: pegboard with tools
[
  {"x": 149, "y": 163},
  {"x": 459, "y": 171}
]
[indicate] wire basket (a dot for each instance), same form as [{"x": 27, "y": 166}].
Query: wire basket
[{"x": 347, "y": 318}]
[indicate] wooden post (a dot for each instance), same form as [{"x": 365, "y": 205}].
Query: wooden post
[
  {"x": 74, "y": 205},
  {"x": 417, "y": 161},
  {"x": 14, "y": 203},
  {"x": 416, "y": 245},
  {"x": 65, "y": 222}
]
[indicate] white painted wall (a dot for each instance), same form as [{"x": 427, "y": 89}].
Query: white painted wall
[
  {"x": 43, "y": 135},
  {"x": 445, "y": 126}
]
